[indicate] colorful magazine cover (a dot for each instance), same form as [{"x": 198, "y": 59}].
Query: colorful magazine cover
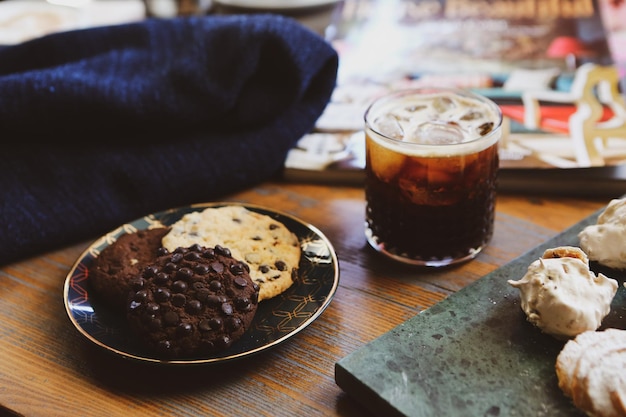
[
  {"x": 547, "y": 63},
  {"x": 613, "y": 13}
]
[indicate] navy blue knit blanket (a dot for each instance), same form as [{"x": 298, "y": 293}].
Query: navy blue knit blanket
[{"x": 104, "y": 125}]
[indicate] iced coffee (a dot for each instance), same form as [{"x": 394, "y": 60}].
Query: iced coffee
[{"x": 432, "y": 162}]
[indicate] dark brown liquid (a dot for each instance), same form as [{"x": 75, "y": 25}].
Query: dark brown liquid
[{"x": 434, "y": 208}]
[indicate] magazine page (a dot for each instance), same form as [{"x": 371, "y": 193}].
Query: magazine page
[
  {"x": 613, "y": 13},
  {"x": 547, "y": 63}
]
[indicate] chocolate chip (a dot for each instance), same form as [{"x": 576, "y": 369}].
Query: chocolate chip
[
  {"x": 170, "y": 318},
  {"x": 227, "y": 309},
  {"x": 162, "y": 295},
  {"x": 184, "y": 273},
  {"x": 215, "y": 323},
  {"x": 196, "y": 248},
  {"x": 162, "y": 251},
  {"x": 212, "y": 324},
  {"x": 194, "y": 307},
  {"x": 281, "y": 265},
  {"x": 213, "y": 300},
  {"x": 138, "y": 284},
  {"x": 204, "y": 326},
  {"x": 192, "y": 256},
  {"x": 179, "y": 286},
  {"x": 176, "y": 257},
  {"x": 184, "y": 329},
  {"x": 240, "y": 282},
  {"x": 140, "y": 296},
  {"x": 179, "y": 300},
  {"x": 201, "y": 269},
  {"x": 152, "y": 308},
  {"x": 222, "y": 250},
  {"x": 161, "y": 278},
  {"x": 238, "y": 269},
  {"x": 217, "y": 267},
  {"x": 243, "y": 304},
  {"x": 170, "y": 267},
  {"x": 202, "y": 294},
  {"x": 233, "y": 323},
  {"x": 150, "y": 271}
]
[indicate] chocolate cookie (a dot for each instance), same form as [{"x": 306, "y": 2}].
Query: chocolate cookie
[
  {"x": 192, "y": 301},
  {"x": 121, "y": 262}
]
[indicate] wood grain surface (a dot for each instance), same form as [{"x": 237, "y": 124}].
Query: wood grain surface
[{"x": 48, "y": 369}]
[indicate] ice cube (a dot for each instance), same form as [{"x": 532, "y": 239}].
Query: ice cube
[
  {"x": 473, "y": 115},
  {"x": 413, "y": 192},
  {"x": 415, "y": 170},
  {"x": 435, "y": 133},
  {"x": 443, "y": 104},
  {"x": 415, "y": 108},
  {"x": 485, "y": 128},
  {"x": 389, "y": 126},
  {"x": 445, "y": 172},
  {"x": 429, "y": 195}
]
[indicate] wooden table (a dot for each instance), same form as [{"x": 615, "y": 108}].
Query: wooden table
[{"x": 49, "y": 369}]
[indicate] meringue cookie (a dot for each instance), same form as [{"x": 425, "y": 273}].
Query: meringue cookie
[
  {"x": 605, "y": 241},
  {"x": 562, "y": 297}
]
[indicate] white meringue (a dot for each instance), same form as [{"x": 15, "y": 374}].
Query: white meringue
[
  {"x": 605, "y": 241},
  {"x": 563, "y": 298}
]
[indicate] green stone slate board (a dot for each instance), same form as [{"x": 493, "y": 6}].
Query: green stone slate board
[{"x": 472, "y": 354}]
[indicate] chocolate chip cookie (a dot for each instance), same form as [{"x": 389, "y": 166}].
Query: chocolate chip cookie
[{"x": 192, "y": 301}]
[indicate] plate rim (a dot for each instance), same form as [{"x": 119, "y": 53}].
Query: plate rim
[{"x": 118, "y": 231}]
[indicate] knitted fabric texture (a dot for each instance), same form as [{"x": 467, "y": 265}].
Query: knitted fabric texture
[{"x": 105, "y": 125}]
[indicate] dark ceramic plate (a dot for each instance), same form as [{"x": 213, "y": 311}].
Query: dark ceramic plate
[
  {"x": 472, "y": 354},
  {"x": 275, "y": 321}
]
